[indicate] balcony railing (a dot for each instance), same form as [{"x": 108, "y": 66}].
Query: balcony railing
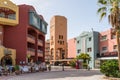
[
  {"x": 31, "y": 38},
  {"x": 40, "y": 53},
  {"x": 40, "y": 42},
  {"x": 10, "y": 16},
  {"x": 31, "y": 51},
  {"x": 107, "y": 54}
]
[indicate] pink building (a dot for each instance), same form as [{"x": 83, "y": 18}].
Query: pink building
[
  {"x": 72, "y": 48},
  {"x": 108, "y": 45}
]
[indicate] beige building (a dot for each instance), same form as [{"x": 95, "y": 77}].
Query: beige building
[
  {"x": 58, "y": 37},
  {"x": 47, "y": 50}
]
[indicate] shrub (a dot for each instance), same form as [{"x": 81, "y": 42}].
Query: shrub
[
  {"x": 73, "y": 63},
  {"x": 110, "y": 68},
  {"x": 85, "y": 65},
  {"x": 17, "y": 67}
]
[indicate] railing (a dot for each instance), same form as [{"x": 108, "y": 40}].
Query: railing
[
  {"x": 31, "y": 49},
  {"x": 31, "y": 36},
  {"x": 108, "y": 54},
  {"x": 10, "y": 16},
  {"x": 40, "y": 42},
  {"x": 39, "y": 51}
]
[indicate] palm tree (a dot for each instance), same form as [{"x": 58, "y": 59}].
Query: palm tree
[
  {"x": 112, "y": 9},
  {"x": 85, "y": 57}
]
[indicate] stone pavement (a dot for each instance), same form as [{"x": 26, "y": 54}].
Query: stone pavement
[{"x": 58, "y": 74}]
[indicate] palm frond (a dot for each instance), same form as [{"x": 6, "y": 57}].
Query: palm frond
[
  {"x": 102, "y": 2},
  {"x": 102, "y": 15},
  {"x": 102, "y": 9},
  {"x": 111, "y": 10}
]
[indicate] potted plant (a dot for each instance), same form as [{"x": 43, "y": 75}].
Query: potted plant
[{"x": 17, "y": 69}]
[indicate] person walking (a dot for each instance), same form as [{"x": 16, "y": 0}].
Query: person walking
[
  {"x": 62, "y": 66},
  {"x": 49, "y": 67}
]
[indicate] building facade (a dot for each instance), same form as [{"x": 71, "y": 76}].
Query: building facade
[
  {"x": 58, "y": 37},
  {"x": 47, "y": 51},
  {"x": 8, "y": 18},
  {"x": 72, "y": 48},
  {"x": 28, "y": 37},
  {"x": 108, "y": 46},
  {"x": 87, "y": 42}
]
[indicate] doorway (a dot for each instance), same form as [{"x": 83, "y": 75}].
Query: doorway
[{"x": 6, "y": 60}]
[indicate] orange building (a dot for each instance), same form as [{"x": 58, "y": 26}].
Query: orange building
[{"x": 58, "y": 37}]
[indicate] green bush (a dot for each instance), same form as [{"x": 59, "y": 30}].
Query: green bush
[
  {"x": 85, "y": 65},
  {"x": 73, "y": 63},
  {"x": 110, "y": 68},
  {"x": 17, "y": 67}
]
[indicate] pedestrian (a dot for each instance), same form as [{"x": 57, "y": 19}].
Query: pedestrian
[
  {"x": 49, "y": 67},
  {"x": 88, "y": 68},
  {"x": 62, "y": 66}
]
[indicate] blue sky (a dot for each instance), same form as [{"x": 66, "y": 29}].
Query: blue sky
[{"x": 81, "y": 14}]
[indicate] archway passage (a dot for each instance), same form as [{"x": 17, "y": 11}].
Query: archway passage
[{"x": 6, "y": 60}]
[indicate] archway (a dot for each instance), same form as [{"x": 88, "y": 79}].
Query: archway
[{"x": 6, "y": 60}]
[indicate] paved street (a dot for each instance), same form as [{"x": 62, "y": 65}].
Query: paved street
[{"x": 68, "y": 74}]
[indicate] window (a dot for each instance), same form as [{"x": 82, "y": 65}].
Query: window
[
  {"x": 78, "y": 51},
  {"x": 90, "y": 38},
  {"x": 60, "y": 36},
  {"x": 60, "y": 42},
  {"x": 104, "y": 48},
  {"x": 63, "y": 42},
  {"x": 114, "y": 47},
  {"x": 89, "y": 49},
  {"x": 2, "y": 14},
  {"x": 113, "y": 36},
  {"x": 104, "y": 38}
]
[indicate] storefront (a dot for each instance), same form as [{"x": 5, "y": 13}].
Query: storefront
[{"x": 7, "y": 56}]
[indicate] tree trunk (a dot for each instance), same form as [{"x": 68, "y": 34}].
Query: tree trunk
[{"x": 118, "y": 46}]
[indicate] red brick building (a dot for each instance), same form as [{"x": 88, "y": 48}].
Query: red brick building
[{"x": 28, "y": 37}]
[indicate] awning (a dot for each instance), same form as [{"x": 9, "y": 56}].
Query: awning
[{"x": 61, "y": 60}]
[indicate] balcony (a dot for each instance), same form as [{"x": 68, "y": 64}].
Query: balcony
[
  {"x": 9, "y": 13},
  {"x": 108, "y": 54},
  {"x": 31, "y": 38},
  {"x": 40, "y": 42},
  {"x": 40, "y": 53},
  {"x": 31, "y": 51}
]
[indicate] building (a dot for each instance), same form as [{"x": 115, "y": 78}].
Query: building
[
  {"x": 8, "y": 18},
  {"x": 47, "y": 50},
  {"x": 72, "y": 48},
  {"x": 87, "y": 42},
  {"x": 58, "y": 37},
  {"x": 28, "y": 37},
  {"x": 108, "y": 46}
]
